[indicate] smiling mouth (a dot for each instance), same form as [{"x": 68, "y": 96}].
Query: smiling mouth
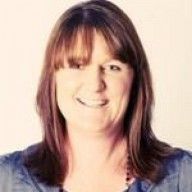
[{"x": 93, "y": 103}]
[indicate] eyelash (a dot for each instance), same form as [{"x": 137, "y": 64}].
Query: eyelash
[
  {"x": 77, "y": 66},
  {"x": 114, "y": 68}
]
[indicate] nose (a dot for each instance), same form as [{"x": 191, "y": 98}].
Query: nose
[{"x": 94, "y": 80}]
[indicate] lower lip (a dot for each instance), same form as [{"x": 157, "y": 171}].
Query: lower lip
[{"x": 91, "y": 106}]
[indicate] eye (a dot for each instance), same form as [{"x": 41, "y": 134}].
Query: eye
[
  {"x": 113, "y": 67},
  {"x": 76, "y": 66}
]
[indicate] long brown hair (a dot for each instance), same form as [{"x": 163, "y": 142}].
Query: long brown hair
[{"x": 49, "y": 161}]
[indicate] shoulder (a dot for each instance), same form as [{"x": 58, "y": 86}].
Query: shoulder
[
  {"x": 178, "y": 161},
  {"x": 185, "y": 170},
  {"x": 13, "y": 173},
  {"x": 15, "y": 160},
  {"x": 10, "y": 160},
  {"x": 8, "y": 164},
  {"x": 177, "y": 171}
]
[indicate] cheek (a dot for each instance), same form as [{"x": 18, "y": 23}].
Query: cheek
[
  {"x": 120, "y": 88},
  {"x": 65, "y": 89},
  {"x": 66, "y": 84},
  {"x": 120, "y": 92},
  {"x": 62, "y": 90}
]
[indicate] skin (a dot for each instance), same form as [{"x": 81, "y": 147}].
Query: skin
[{"x": 93, "y": 99}]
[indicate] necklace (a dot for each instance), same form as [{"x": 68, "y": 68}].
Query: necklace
[
  {"x": 128, "y": 171},
  {"x": 129, "y": 175}
]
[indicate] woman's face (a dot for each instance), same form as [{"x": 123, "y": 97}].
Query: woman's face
[{"x": 94, "y": 97}]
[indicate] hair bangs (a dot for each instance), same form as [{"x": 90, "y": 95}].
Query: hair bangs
[
  {"x": 75, "y": 43},
  {"x": 75, "y": 46}
]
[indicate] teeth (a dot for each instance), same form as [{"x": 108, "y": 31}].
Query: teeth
[{"x": 92, "y": 103}]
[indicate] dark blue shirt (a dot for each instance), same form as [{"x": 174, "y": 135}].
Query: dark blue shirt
[{"x": 15, "y": 177}]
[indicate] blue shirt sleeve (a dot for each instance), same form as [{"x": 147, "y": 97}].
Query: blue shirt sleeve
[
  {"x": 5, "y": 175},
  {"x": 185, "y": 173}
]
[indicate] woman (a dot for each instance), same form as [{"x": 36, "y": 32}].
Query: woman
[{"x": 95, "y": 101}]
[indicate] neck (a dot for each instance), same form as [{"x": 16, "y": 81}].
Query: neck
[{"x": 93, "y": 150}]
